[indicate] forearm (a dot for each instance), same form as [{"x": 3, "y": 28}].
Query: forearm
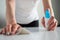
[
  {"x": 10, "y": 11},
  {"x": 47, "y": 5}
]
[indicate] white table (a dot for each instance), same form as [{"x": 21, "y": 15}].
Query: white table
[{"x": 38, "y": 35}]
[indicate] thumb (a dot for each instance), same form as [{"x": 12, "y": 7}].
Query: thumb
[{"x": 43, "y": 22}]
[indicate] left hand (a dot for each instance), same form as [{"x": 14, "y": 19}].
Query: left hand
[
  {"x": 52, "y": 23},
  {"x": 10, "y": 29}
]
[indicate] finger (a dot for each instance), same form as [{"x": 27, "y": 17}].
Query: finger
[
  {"x": 52, "y": 26},
  {"x": 55, "y": 26},
  {"x": 14, "y": 29},
  {"x": 43, "y": 21},
  {"x": 50, "y": 20},
  {"x": 56, "y": 22},
  {"x": 0, "y": 32},
  {"x": 6, "y": 30},
  {"x": 9, "y": 28},
  {"x": 17, "y": 29},
  {"x": 3, "y": 31}
]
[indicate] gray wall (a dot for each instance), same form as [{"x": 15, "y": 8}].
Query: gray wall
[
  {"x": 2, "y": 13},
  {"x": 56, "y": 7}
]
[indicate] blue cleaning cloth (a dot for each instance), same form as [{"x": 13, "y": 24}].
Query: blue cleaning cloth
[{"x": 47, "y": 14}]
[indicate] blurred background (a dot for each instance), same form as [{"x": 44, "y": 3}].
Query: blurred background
[{"x": 55, "y": 5}]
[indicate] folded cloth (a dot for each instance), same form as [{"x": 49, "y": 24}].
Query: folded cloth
[{"x": 23, "y": 31}]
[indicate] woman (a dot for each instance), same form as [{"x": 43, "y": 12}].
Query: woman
[{"x": 27, "y": 15}]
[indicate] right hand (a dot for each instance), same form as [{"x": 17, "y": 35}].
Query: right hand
[
  {"x": 11, "y": 29},
  {"x": 52, "y": 23}
]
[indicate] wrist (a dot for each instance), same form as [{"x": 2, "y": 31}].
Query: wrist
[{"x": 11, "y": 22}]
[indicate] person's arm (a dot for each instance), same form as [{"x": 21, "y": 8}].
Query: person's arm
[
  {"x": 10, "y": 12},
  {"x": 11, "y": 24},
  {"x": 47, "y": 4},
  {"x": 52, "y": 23}
]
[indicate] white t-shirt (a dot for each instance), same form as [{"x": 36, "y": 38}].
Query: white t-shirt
[{"x": 26, "y": 11}]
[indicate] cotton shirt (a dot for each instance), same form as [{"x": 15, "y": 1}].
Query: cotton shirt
[{"x": 26, "y": 11}]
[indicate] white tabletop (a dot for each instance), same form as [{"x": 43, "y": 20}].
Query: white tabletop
[{"x": 38, "y": 35}]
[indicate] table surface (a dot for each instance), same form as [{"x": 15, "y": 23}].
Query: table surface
[{"x": 37, "y": 35}]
